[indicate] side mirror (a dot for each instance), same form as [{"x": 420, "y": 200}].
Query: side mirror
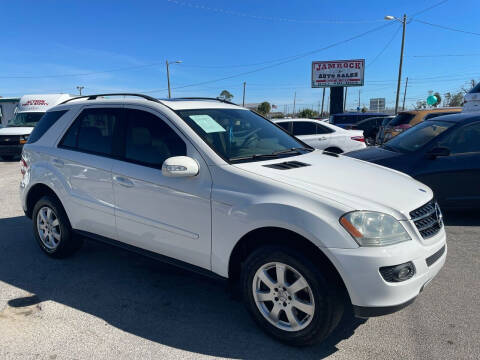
[
  {"x": 180, "y": 166},
  {"x": 438, "y": 151}
]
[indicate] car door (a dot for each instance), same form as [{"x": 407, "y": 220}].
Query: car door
[
  {"x": 165, "y": 215},
  {"x": 84, "y": 160},
  {"x": 307, "y": 132},
  {"x": 455, "y": 178}
]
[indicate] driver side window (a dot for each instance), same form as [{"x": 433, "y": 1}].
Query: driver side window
[{"x": 463, "y": 140}]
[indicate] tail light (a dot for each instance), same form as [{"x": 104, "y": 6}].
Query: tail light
[
  {"x": 358, "y": 138},
  {"x": 23, "y": 166}
]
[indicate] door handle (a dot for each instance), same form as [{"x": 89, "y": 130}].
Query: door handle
[
  {"x": 322, "y": 138},
  {"x": 123, "y": 181},
  {"x": 58, "y": 163}
]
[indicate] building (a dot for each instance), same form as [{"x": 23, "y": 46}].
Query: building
[{"x": 377, "y": 104}]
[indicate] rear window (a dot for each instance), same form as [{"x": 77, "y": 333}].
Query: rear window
[
  {"x": 476, "y": 89},
  {"x": 401, "y": 119},
  {"x": 44, "y": 124}
]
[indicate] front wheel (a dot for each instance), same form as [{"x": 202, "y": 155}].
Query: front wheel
[{"x": 289, "y": 297}]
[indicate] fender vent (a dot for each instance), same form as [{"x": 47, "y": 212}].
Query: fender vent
[
  {"x": 287, "y": 165},
  {"x": 329, "y": 153}
]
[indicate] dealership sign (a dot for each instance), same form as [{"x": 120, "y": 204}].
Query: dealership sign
[{"x": 338, "y": 73}]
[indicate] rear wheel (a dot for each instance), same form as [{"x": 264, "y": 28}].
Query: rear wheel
[
  {"x": 52, "y": 229},
  {"x": 289, "y": 297}
]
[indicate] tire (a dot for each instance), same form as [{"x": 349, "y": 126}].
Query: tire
[
  {"x": 323, "y": 292},
  {"x": 7, "y": 157},
  {"x": 62, "y": 241}
]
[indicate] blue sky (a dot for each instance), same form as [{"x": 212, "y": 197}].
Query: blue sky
[{"x": 44, "y": 43}]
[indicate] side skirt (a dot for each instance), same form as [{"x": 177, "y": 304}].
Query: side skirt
[{"x": 162, "y": 258}]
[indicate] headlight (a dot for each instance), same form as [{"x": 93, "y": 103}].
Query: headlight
[{"x": 370, "y": 228}]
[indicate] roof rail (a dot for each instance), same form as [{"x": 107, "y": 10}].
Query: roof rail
[
  {"x": 203, "y": 98},
  {"x": 93, "y": 97}
]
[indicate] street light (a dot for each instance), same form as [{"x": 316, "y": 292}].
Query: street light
[
  {"x": 404, "y": 22},
  {"x": 80, "y": 88},
  {"x": 168, "y": 75}
]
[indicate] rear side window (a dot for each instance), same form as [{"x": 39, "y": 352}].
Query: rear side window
[
  {"x": 323, "y": 129},
  {"x": 149, "y": 140},
  {"x": 401, "y": 119},
  {"x": 285, "y": 125},
  {"x": 92, "y": 131},
  {"x": 304, "y": 128},
  {"x": 44, "y": 124}
]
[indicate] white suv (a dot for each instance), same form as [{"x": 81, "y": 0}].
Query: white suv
[{"x": 211, "y": 185}]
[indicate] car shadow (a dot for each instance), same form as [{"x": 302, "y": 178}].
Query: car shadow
[
  {"x": 144, "y": 297},
  {"x": 461, "y": 218}
]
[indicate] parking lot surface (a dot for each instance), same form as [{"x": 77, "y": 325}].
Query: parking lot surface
[{"x": 106, "y": 303}]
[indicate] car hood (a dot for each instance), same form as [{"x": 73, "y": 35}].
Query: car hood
[
  {"x": 16, "y": 130},
  {"x": 373, "y": 154},
  {"x": 357, "y": 185}
]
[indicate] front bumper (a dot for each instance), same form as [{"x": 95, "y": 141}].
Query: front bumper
[
  {"x": 11, "y": 150},
  {"x": 370, "y": 293}
]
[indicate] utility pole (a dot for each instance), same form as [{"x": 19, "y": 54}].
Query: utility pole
[
  {"x": 294, "y": 100},
  {"x": 404, "y": 23},
  {"x": 80, "y": 88},
  {"x": 323, "y": 100},
  {"x": 243, "y": 102},
  {"x": 405, "y": 93},
  {"x": 358, "y": 98},
  {"x": 168, "y": 75}
]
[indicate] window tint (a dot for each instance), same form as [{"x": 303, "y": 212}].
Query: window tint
[
  {"x": 304, "y": 128},
  {"x": 401, "y": 119},
  {"x": 93, "y": 131},
  {"x": 44, "y": 124},
  {"x": 434, "y": 115},
  {"x": 418, "y": 136},
  {"x": 323, "y": 129},
  {"x": 285, "y": 125},
  {"x": 149, "y": 140},
  {"x": 463, "y": 140}
]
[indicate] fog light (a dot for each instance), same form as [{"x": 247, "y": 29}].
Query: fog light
[{"x": 398, "y": 273}]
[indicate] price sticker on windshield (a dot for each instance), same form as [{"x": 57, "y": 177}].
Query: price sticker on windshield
[{"x": 207, "y": 123}]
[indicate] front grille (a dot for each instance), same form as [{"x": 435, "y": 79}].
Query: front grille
[
  {"x": 433, "y": 258},
  {"x": 9, "y": 139},
  {"x": 427, "y": 219}
]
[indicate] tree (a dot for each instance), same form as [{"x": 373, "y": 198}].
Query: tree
[
  {"x": 264, "y": 108},
  {"x": 456, "y": 100},
  {"x": 421, "y": 104},
  {"x": 308, "y": 113},
  {"x": 226, "y": 95}
]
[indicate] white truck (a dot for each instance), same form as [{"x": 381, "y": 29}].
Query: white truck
[{"x": 27, "y": 114}]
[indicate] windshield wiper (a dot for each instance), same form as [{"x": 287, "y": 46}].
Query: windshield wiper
[
  {"x": 254, "y": 156},
  {"x": 297, "y": 150}
]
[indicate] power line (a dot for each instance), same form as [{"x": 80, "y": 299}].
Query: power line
[
  {"x": 296, "y": 57},
  {"x": 447, "y": 28},
  {"x": 269, "y": 18},
  {"x": 385, "y": 47},
  {"x": 78, "y": 74},
  {"x": 443, "y": 55},
  {"x": 429, "y": 8}
]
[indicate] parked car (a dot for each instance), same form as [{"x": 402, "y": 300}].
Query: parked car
[
  {"x": 381, "y": 131},
  {"x": 406, "y": 119},
  {"x": 322, "y": 135},
  {"x": 27, "y": 114},
  {"x": 208, "y": 185},
  {"x": 349, "y": 119},
  {"x": 472, "y": 100},
  {"x": 371, "y": 127},
  {"x": 443, "y": 153}
]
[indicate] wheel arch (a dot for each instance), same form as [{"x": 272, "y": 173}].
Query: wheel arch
[
  {"x": 280, "y": 237},
  {"x": 334, "y": 149},
  {"x": 35, "y": 193}
]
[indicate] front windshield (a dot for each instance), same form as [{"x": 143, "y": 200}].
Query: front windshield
[
  {"x": 239, "y": 135},
  {"x": 417, "y": 136},
  {"x": 28, "y": 119}
]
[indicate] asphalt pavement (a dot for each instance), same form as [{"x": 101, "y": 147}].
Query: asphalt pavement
[{"x": 106, "y": 303}]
